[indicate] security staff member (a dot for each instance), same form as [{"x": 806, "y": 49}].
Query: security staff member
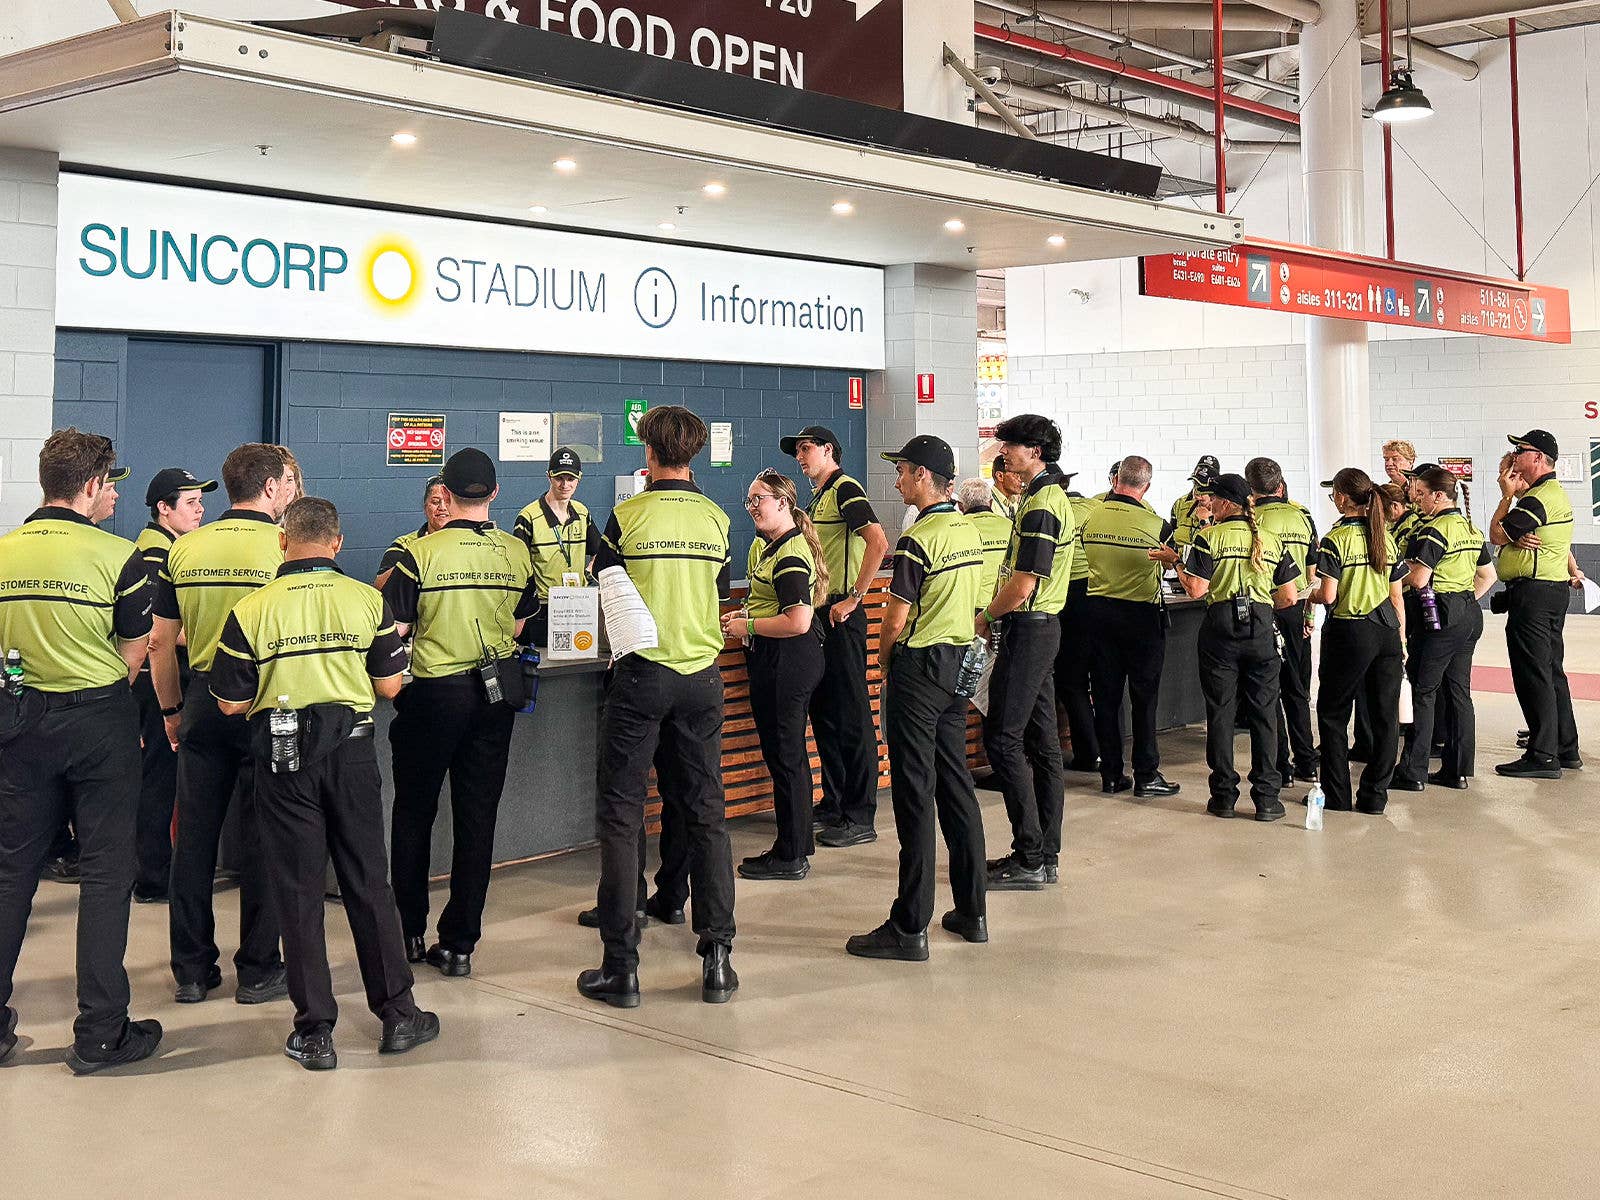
[
  {"x": 1021, "y": 733},
  {"x": 323, "y": 644},
  {"x": 1449, "y": 555},
  {"x": 1293, "y": 526},
  {"x": 1359, "y": 570},
  {"x": 465, "y": 592},
  {"x": 926, "y": 628},
  {"x": 206, "y": 574},
  {"x": 560, "y": 537},
  {"x": 175, "y": 500},
  {"x": 853, "y": 548},
  {"x": 1242, "y": 572},
  {"x": 75, "y": 604},
  {"x": 673, "y": 544},
  {"x": 784, "y": 657},
  {"x": 1189, "y": 514},
  {"x": 435, "y": 513},
  {"x": 1126, "y": 611},
  {"x": 1073, "y": 659},
  {"x": 1536, "y": 540}
]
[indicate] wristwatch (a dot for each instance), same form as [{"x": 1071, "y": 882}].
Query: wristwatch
[{"x": 855, "y": 592}]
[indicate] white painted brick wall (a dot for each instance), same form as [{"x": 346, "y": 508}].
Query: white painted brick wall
[{"x": 27, "y": 324}]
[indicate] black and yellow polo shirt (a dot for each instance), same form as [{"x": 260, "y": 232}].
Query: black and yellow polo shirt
[
  {"x": 781, "y": 574},
  {"x": 938, "y": 571},
  {"x": 556, "y": 546},
  {"x": 1185, "y": 522},
  {"x": 1294, "y": 528},
  {"x": 840, "y": 510},
  {"x": 462, "y": 590},
  {"x": 1363, "y": 588},
  {"x": 210, "y": 570},
  {"x": 69, "y": 591},
  {"x": 399, "y": 547},
  {"x": 1544, "y": 509},
  {"x": 1117, "y": 540},
  {"x": 1082, "y": 506},
  {"x": 313, "y": 635},
  {"x": 1222, "y": 553},
  {"x": 1043, "y": 541},
  {"x": 994, "y": 535},
  {"x": 1453, "y": 548},
  {"x": 673, "y": 542},
  {"x": 153, "y": 544}
]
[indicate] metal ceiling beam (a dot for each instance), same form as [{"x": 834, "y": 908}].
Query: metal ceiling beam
[
  {"x": 953, "y": 61},
  {"x": 1061, "y": 102},
  {"x": 1428, "y": 56},
  {"x": 1242, "y": 18}
]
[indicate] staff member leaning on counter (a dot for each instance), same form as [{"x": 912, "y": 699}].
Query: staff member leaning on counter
[
  {"x": 435, "y": 514},
  {"x": 560, "y": 537}
]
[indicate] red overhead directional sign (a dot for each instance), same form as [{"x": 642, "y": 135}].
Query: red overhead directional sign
[{"x": 1320, "y": 283}]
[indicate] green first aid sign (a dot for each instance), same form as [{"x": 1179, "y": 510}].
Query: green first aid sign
[{"x": 632, "y": 413}]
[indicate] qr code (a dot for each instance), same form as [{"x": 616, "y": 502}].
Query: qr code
[{"x": 561, "y": 639}]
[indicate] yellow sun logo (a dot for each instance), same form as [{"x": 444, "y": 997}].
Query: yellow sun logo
[{"x": 393, "y": 274}]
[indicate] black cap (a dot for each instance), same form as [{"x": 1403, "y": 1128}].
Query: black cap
[
  {"x": 1541, "y": 440},
  {"x": 1116, "y": 466},
  {"x": 1207, "y": 469},
  {"x": 820, "y": 434},
  {"x": 174, "y": 479},
  {"x": 469, "y": 474},
  {"x": 925, "y": 450},
  {"x": 1228, "y": 487},
  {"x": 1419, "y": 469},
  {"x": 118, "y": 474},
  {"x": 565, "y": 461}
]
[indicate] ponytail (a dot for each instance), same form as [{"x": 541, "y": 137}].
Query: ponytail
[
  {"x": 1356, "y": 486},
  {"x": 1466, "y": 500},
  {"x": 819, "y": 573},
  {"x": 1255, "y": 533}
]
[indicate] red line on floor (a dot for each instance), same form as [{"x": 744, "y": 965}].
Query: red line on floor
[{"x": 1498, "y": 679}]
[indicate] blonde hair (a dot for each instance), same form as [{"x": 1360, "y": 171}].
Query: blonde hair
[
  {"x": 1402, "y": 447},
  {"x": 781, "y": 486},
  {"x": 1255, "y": 533}
]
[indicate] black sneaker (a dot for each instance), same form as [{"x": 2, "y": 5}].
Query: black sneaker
[
  {"x": 821, "y": 820},
  {"x": 972, "y": 929},
  {"x": 194, "y": 993},
  {"x": 273, "y": 987},
  {"x": 1404, "y": 783},
  {"x": 149, "y": 895},
  {"x": 770, "y": 866},
  {"x": 409, "y": 1032},
  {"x": 1219, "y": 808},
  {"x": 888, "y": 942},
  {"x": 1157, "y": 785},
  {"x": 8, "y": 1034},
  {"x": 1571, "y": 762},
  {"x": 1017, "y": 876},
  {"x": 589, "y": 918},
  {"x": 138, "y": 1042},
  {"x": 312, "y": 1049},
  {"x": 1528, "y": 768},
  {"x": 449, "y": 963},
  {"x": 657, "y": 910},
  {"x": 1270, "y": 810},
  {"x": 1052, "y": 871},
  {"x": 847, "y": 833},
  {"x": 62, "y": 870}
]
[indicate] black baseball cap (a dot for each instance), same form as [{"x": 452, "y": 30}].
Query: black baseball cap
[
  {"x": 565, "y": 461},
  {"x": 1232, "y": 488},
  {"x": 925, "y": 450},
  {"x": 469, "y": 474},
  {"x": 1541, "y": 440},
  {"x": 820, "y": 434},
  {"x": 1207, "y": 469},
  {"x": 1115, "y": 467},
  {"x": 1419, "y": 469},
  {"x": 171, "y": 480}
]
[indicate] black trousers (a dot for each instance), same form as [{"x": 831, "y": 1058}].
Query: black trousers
[
  {"x": 1535, "y": 621},
  {"x": 1359, "y": 657},
  {"x": 925, "y": 724},
  {"x": 1440, "y": 670},
  {"x": 333, "y": 807},
  {"x": 1294, "y": 693},
  {"x": 1129, "y": 649},
  {"x": 1022, "y": 737},
  {"x": 646, "y": 702},
  {"x": 784, "y": 672},
  {"x": 841, "y": 720},
  {"x": 446, "y": 727},
  {"x": 1074, "y": 673},
  {"x": 214, "y": 757},
  {"x": 158, "y": 793},
  {"x": 1235, "y": 657},
  {"x": 84, "y": 759}
]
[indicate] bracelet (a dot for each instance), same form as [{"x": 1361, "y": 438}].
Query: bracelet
[
  {"x": 173, "y": 711},
  {"x": 986, "y": 615},
  {"x": 750, "y": 627}
]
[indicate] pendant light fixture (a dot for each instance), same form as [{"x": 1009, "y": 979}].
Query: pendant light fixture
[{"x": 1404, "y": 102}]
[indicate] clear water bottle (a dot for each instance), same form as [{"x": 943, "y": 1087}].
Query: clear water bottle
[
  {"x": 284, "y": 726},
  {"x": 14, "y": 677},
  {"x": 972, "y": 664},
  {"x": 1430, "y": 608},
  {"x": 528, "y": 660},
  {"x": 1315, "y": 802}
]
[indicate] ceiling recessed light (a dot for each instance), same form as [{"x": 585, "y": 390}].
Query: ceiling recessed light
[
  {"x": 715, "y": 189},
  {"x": 564, "y": 165},
  {"x": 404, "y": 139},
  {"x": 666, "y": 227},
  {"x": 843, "y": 208},
  {"x": 537, "y": 209},
  {"x": 954, "y": 226},
  {"x": 1055, "y": 239}
]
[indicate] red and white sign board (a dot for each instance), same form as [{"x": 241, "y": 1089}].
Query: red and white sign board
[
  {"x": 1277, "y": 277},
  {"x": 416, "y": 440},
  {"x": 858, "y": 391},
  {"x": 925, "y": 389}
]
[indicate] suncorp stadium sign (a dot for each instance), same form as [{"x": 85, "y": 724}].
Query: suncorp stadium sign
[{"x": 152, "y": 257}]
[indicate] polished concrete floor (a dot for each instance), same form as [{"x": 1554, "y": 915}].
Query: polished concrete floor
[{"x": 1397, "y": 1006}]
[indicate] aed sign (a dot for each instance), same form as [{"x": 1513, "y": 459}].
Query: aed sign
[
  {"x": 153, "y": 257},
  {"x": 925, "y": 389},
  {"x": 632, "y": 413}
]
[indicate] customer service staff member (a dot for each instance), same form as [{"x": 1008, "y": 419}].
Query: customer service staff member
[
  {"x": 976, "y": 500},
  {"x": 1359, "y": 570},
  {"x": 672, "y": 541},
  {"x": 465, "y": 593},
  {"x": 435, "y": 514},
  {"x": 1190, "y": 513},
  {"x": 345, "y": 649},
  {"x": 926, "y": 628},
  {"x": 560, "y": 537},
  {"x": 207, "y": 573},
  {"x": 1076, "y": 653},
  {"x": 77, "y": 611},
  {"x": 1448, "y": 554},
  {"x": 1243, "y": 573},
  {"x": 783, "y": 652},
  {"x": 1008, "y": 487}
]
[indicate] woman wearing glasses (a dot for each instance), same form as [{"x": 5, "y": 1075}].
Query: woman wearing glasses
[
  {"x": 435, "y": 513},
  {"x": 788, "y": 578}
]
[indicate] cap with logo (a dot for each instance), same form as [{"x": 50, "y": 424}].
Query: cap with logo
[
  {"x": 925, "y": 450},
  {"x": 172, "y": 480},
  {"x": 1232, "y": 488},
  {"x": 1541, "y": 440},
  {"x": 469, "y": 474},
  {"x": 1207, "y": 469},
  {"x": 1419, "y": 469},
  {"x": 565, "y": 461},
  {"x": 819, "y": 434}
]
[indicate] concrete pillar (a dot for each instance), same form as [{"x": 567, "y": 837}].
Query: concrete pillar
[
  {"x": 1339, "y": 408},
  {"x": 931, "y": 88},
  {"x": 930, "y": 326},
  {"x": 28, "y": 204}
]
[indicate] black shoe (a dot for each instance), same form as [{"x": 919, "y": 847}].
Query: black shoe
[
  {"x": 194, "y": 993},
  {"x": 1372, "y": 810},
  {"x": 718, "y": 980},
  {"x": 1527, "y": 768},
  {"x": 1157, "y": 785},
  {"x": 1404, "y": 783},
  {"x": 821, "y": 820},
  {"x": 8, "y": 1034},
  {"x": 1440, "y": 779},
  {"x": 1271, "y": 810},
  {"x": 1016, "y": 876},
  {"x": 407, "y": 1033},
  {"x": 616, "y": 989},
  {"x": 1220, "y": 808},
  {"x": 312, "y": 1049},
  {"x": 149, "y": 895},
  {"x": 1571, "y": 762},
  {"x": 973, "y": 929},
  {"x": 589, "y": 918},
  {"x": 888, "y": 942},
  {"x": 1052, "y": 872},
  {"x": 416, "y": 949},
  {"x": 448, "y": 962},
  {"x": 273, "y": 987},
  {"x": 847, "y": 833},
  {"x": 1305, "y": 774},
  {"x": 657, "y": 910},
  {"x": 138, "y": 1042},
  {"x": 62, "y": 870},
  {"x": 770, "y": 866},
  {"x": 1085, "y": 765},
  {"x": 1112, "y": 786}
]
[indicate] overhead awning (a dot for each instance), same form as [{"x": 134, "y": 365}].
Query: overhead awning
[{"x": 195, "y": 98}]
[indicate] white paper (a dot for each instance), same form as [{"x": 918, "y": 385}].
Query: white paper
[
  {"x": 629, "y": 625},
  {"x": 1591, "y": 595},
  {"x": 524, "y": 437},
  {"x": 722, "y": 443},
  {"x": 574, "y": 623}
]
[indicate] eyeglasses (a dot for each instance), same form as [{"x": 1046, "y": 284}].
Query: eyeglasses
[{"x": 754, "y": 502}]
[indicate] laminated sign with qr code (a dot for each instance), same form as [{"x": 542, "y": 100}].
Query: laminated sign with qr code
[{"x": 574, "y": 623}]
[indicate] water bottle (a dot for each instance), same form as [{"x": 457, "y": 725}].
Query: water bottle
[
  {"x": 14, "y": 679},
  {"x": 1430, "y": 608},
  {"x": 1315, "y": 801},
  {"x": 284, "y": 726},
  {"x": 972, "y": 664},
  {"x": 529, "y": 661}
]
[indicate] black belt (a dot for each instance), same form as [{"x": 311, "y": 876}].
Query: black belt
[
  {"x": 1026, "y": 616},
  {"x": 55, "y": 700}
]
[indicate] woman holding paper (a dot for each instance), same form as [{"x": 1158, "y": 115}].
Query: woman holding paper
[{"x": 788, "y": 578}]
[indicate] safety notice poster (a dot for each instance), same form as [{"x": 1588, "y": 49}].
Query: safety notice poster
[{"x": 416, "y": 439}]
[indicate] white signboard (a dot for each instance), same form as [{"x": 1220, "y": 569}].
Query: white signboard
[
  {"x": 722, "y": 443},
  {"x": 574, "y": 630},
  {"x": 153, "y": 257},
  {"x": 627, "y": 486},
  {"x": 524, "y": 437}
]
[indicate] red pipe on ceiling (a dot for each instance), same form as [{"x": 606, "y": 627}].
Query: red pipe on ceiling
[
  {"x": 1388, "y": 134},
  {"x": 1219, "y": 107},
  {"x": 1516, "y": 148}
]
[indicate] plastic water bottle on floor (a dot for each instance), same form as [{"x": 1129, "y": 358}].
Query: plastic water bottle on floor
[{"x": 1315, "y": 801}]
